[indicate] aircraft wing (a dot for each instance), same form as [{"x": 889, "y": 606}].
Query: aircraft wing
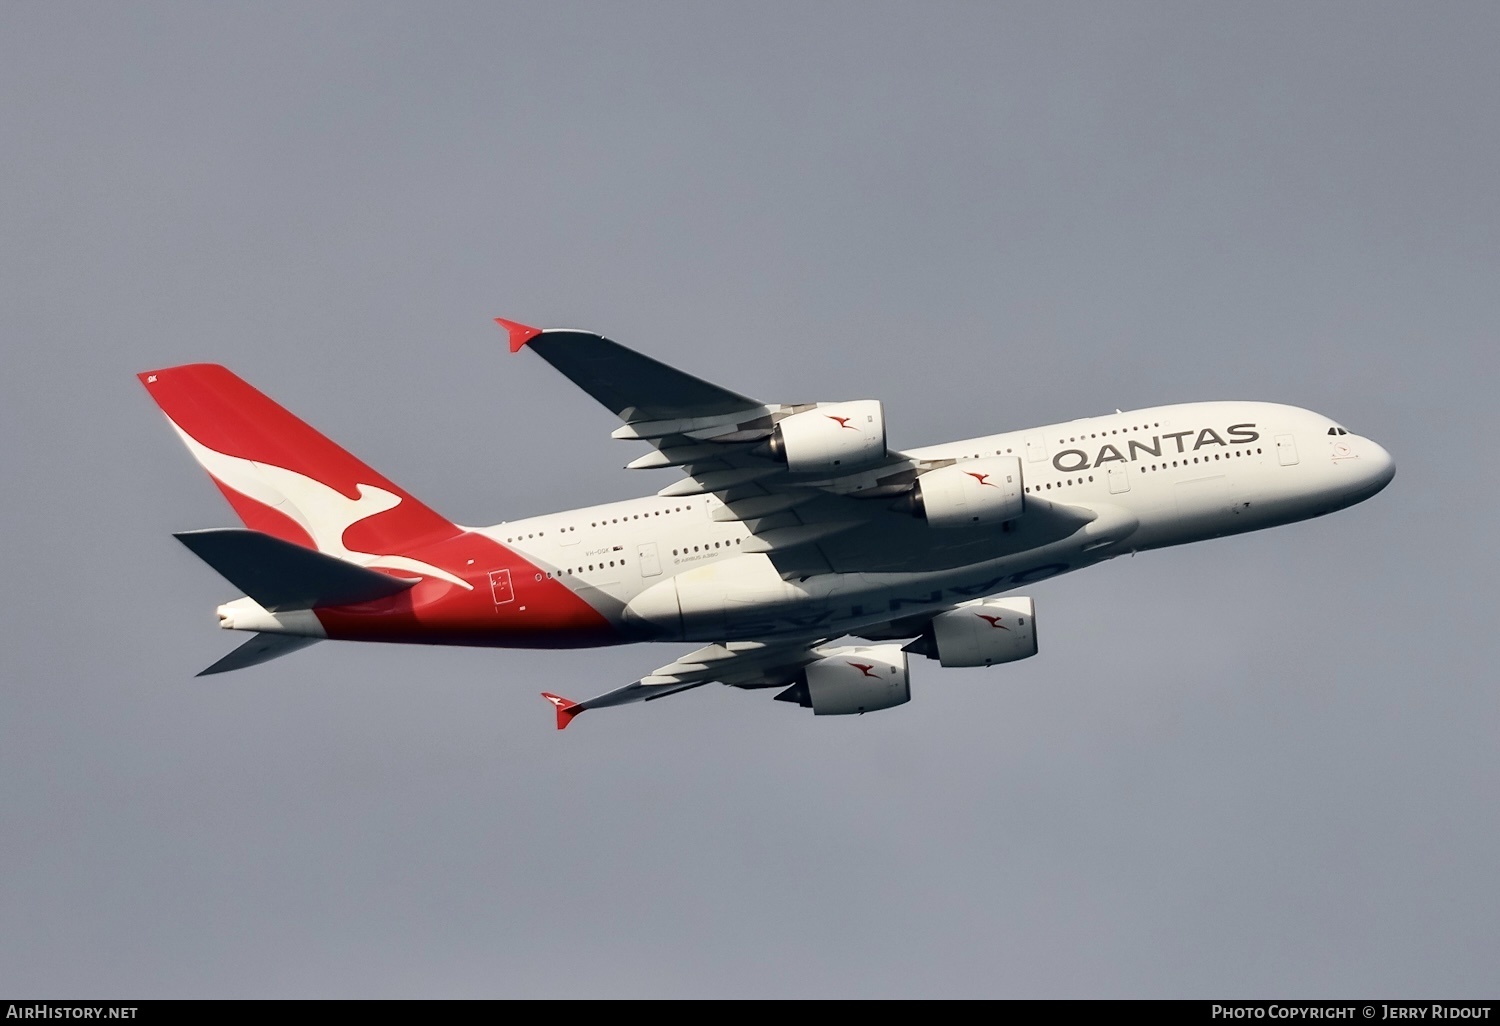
[
  {"x": 741, "y": 664},
  {"x": 630, "y": 385},
  {"x": 807, "y": 518},
  {"x": 719, "y": 440}
]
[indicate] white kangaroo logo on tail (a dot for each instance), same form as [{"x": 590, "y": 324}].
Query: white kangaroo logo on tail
[{"x": 323, "y": 512}]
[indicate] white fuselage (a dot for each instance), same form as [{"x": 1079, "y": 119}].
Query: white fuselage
[{"x": 668, "y": 569}]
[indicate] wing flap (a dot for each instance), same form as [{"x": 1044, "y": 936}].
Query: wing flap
[
  {"x": 678, "y": 456},
  {"x": 797, "y": 534},
  {"x": 719, "y": 480},
  {"x": 753, "y": 507}
]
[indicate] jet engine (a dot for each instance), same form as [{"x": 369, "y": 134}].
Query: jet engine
[
  {"x": 983, "y": 491},
  {"x": 835, "y": 438},
  {"x": 999, "y": 630},
  {"x": 852, "y": 680}
]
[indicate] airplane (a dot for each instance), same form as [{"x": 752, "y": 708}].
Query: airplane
[{"x": 791, "y": 527}]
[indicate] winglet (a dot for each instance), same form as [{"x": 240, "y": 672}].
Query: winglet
[
  {"x": 566, "y": 710},
  {"x": 520, "y": 334}
]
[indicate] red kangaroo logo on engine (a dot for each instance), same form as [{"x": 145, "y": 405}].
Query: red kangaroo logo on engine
[
  {"x": 994, "y": 621},
  {"x": 843, "y": 422},
  {"x": 983, "y": 479},
  {"x": 865, "y": 669}
]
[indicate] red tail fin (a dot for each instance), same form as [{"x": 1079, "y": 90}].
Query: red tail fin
[{"x": 281, "y": 476}]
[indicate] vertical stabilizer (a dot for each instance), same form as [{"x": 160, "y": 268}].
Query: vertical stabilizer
[{"x": 282, "y": 477}]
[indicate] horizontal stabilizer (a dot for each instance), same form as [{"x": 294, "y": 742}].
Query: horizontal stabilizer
[
  {"x": 260, "y": 649},
  {"x": 281, "y": 576}
]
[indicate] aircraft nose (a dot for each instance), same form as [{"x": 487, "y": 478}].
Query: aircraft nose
[{"x": 1378, "y": 466}]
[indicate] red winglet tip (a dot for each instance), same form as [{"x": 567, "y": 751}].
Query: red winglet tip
[
  {"x": 519, "y": 334},
  {"x": 566, "y": 710}
]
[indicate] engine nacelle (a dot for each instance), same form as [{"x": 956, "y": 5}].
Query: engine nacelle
[
  {"x": 999, "y": 630},
  {"x": 835, "y": 438},
  {"x": 983, "y": 491},
  {"x": 853, "y": 680}
]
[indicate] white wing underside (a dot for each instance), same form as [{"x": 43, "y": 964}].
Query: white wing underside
[{"x": 741, "y": 664}]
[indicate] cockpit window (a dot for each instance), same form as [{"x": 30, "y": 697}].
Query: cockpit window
[{"x": 1337, "y": 431}]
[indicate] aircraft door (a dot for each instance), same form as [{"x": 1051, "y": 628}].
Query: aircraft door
[
  {"x": 1286, "y": 450},
  {"x": 1119, "y": 480},
  {"x": 648, "y": 560},
  {"x": 1036, "y": 448},
  {"x": 501, "y": 589}
]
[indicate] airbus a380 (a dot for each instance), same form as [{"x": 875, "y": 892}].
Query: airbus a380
[{"x": 788, "y": 528}]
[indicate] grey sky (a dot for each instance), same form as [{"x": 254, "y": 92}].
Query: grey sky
[{"x": 1255, "y": 767}]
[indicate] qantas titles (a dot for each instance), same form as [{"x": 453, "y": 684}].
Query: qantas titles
[{"x": 1071, "y": 460}]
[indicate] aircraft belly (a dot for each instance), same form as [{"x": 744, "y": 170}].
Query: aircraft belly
[
  {"x": 762, "y": 605},
  {"x": 1203, "y": 503}
]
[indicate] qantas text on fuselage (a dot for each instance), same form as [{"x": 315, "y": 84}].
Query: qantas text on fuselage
[
  {"x": 1072, "y": 460},
  {"x": 786, "y": 528}
]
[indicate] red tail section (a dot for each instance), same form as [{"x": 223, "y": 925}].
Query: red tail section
[
  {"x": 280, "y": 475},
  {"x": 286, "y": 480}
]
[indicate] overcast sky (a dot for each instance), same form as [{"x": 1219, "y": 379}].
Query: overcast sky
[{"x": 1262, "y": 766}]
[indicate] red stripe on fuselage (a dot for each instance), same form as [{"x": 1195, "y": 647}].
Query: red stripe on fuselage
[{"x": 541, "y": 611}]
